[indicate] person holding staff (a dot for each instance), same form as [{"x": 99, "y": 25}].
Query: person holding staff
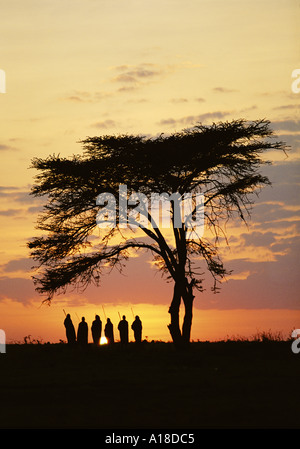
[{"x": 137, "y": 329}]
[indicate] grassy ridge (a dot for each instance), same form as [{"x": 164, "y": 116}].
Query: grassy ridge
[{"x": 239, "y": 384}]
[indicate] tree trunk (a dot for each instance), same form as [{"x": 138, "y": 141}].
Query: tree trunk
[
  {"x": 174, "y": 326},
  {"x": 188, "y": 299},
  {"x": 184, "y": 291}
]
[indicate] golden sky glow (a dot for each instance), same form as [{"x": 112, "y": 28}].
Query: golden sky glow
[{"x": 86, "y": 67}]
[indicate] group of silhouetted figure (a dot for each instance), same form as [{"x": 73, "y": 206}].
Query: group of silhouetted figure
[{"x": 96, "y": 328}]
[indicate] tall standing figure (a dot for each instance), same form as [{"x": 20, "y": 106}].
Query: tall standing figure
[
  {"x": 123, "y": 329},
  {"x": 137, "y": 329},
  {"x": 109, "y": 331},
  {"x": 96, "y": 329},
  {"x": 82, "y": 333},
  {"x": 70, "y": 330}
]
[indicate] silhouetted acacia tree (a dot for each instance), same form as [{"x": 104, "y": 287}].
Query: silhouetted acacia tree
[{"x": 221, "y": 161}]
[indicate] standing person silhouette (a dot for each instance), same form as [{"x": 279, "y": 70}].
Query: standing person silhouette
[
  {"x": 137, "y": 329},
  {"x": 96, "y": 330},
  {"x": 109, "y": 331},
  {"x": 123, "y": 329},
  {"x": 70, "y": 330},
  {"x": 82, "y": 333}
]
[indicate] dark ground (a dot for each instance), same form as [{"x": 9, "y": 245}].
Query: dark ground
[{"x": 213, "y": 385}]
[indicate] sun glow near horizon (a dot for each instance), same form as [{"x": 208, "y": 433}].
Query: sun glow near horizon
[{"x": 103, "y": 341}]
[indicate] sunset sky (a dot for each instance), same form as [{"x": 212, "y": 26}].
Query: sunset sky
[{"x": 90, "y": 67}]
